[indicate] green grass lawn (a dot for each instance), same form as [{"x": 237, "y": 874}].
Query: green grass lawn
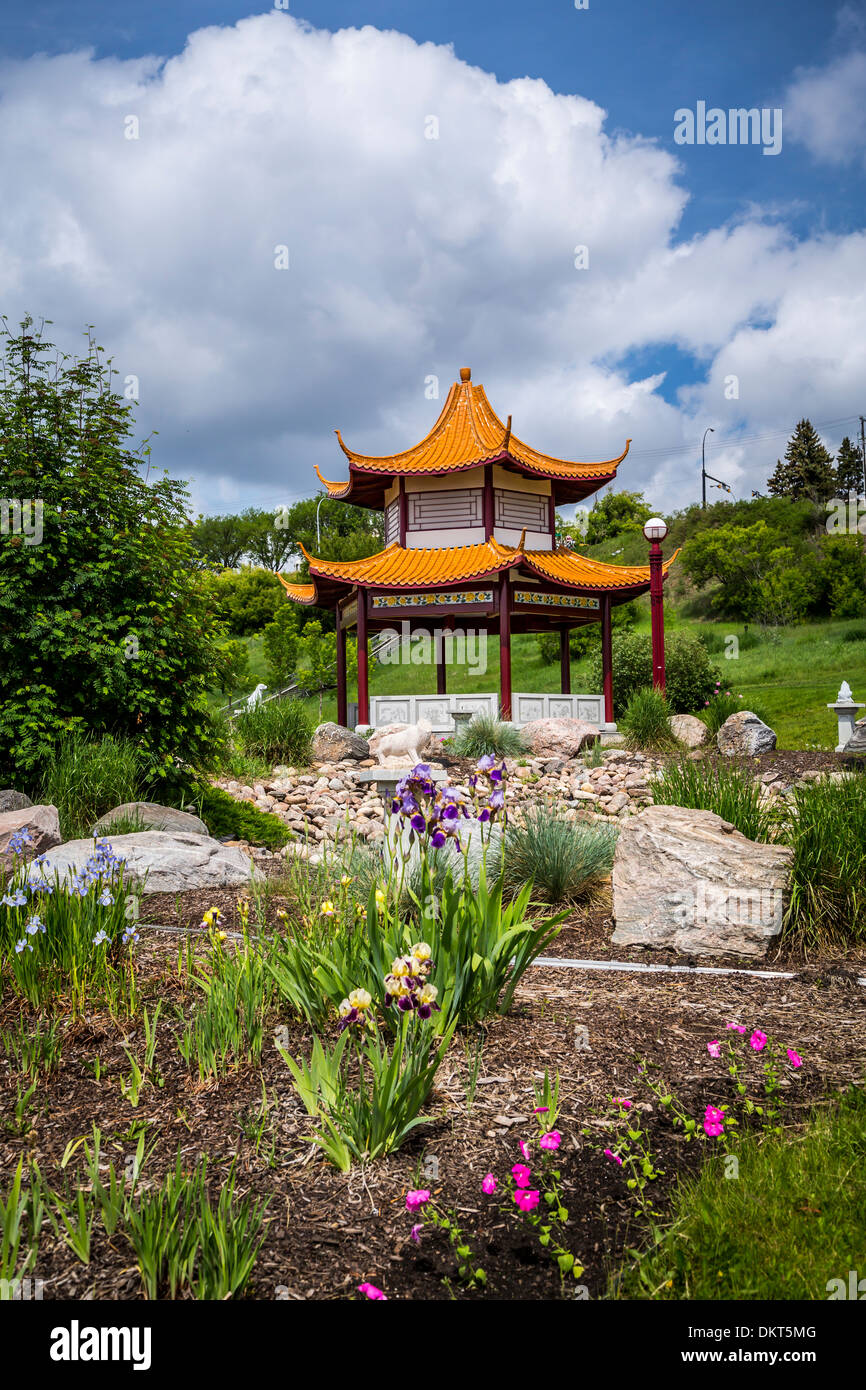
[{"x": 793, "y": 674}]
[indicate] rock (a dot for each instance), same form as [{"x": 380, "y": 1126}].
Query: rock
[
  {"x": 690, "y": 730},
  {"x": 152, "y": 817},
  {"x": 42, "y": 824},
  {"x": 333, "y": 742},
  {"x": 13, "y": 801},
  {"x": 854, "y": 752},
  {"x": 744, "y": 735},
  {"x": 171, "y": 863},
  {"x": 558, "y": 738},
  {"x": 688, "y": 880},
  {"x": 617, "y": 803}
]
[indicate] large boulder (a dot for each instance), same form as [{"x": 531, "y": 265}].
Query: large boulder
[
  {"x": 42, "y": 825},
  {"x": 333, "y": 742},
  {"x": 152, "y": 817},
  {"x": 690, "y": 730},
  {"x": 744, "y": 735},
  {"x": 558, "y": 738},
  {"x": 160, "y": 863},
  {"x": 11, "y": 800},
  {"x": 854, "y": 753},
  {"x": 688, "y": 880}
]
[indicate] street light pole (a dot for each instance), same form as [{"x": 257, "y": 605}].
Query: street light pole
[
  {"x": 655, "y": 531},
  {"x": 318, "y": 532},
  {"x": 708, "y": 430}
]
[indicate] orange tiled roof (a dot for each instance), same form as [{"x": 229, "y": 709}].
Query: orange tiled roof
[
  {"x": 468, "y": 433},
  {"x": 397, "y": 567}
]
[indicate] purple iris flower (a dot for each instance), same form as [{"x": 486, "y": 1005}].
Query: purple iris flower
[
  {"x": 418, "y": 823},
  {"x": 486, "y": 762},
  {"x": 497, "y": 799},
  {"x": 484, "y": 813},
  {"x": 438, "y": 839}
]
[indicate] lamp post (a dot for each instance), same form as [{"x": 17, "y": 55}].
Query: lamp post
[
  {"x": 318, "y": 532},
  {"x": 655, "y": 531},
  {"x": 708, "y": 430}
]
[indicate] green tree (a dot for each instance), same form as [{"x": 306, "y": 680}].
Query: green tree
[
  {"x": 221, "y": 541},
  {"x": 807, "y": 470},
  {"x": 346, "y": 532},
  {"x": 270, "y": 541},
  {"x": 232, "y": 671},
  {"x": 849, "y": 469},
  {"x": 615, "y": 513},
  {"x": 245, "y": 599},
  {"x": 281, "y": 643},
  {"x": 102, "y": 624},
  {"x": 738, "y": 559}
]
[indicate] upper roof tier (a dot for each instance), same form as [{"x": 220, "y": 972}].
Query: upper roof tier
[{"x": 468, "y": 433}]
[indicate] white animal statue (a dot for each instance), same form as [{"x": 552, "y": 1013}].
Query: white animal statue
[
  {"x": 400, "y": 741},
  {"x": 256, "y": 697}
]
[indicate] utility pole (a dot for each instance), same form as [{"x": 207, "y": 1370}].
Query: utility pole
[{"x": 708, "y": 430}]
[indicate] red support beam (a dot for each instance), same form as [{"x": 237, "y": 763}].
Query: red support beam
[
  {"x": 363, "y": 682},
  {"x": 505, "y": 646},
  {"x": 607, "y": 658},
  {"x": 565, "y": 661},
  {"x": 342, "y": 703}
]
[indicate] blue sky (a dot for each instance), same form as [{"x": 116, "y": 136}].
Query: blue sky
[{"x": 637, "y": 353}]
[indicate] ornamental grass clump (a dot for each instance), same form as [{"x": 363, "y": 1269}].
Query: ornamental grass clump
[
  {"x": 565, "y": 859},
  {"x": 279, "y": 731},
  {"x": 825, "y": 823},
  {"x": 645, "y": 722},
  {"x": 69, "y": 937},
  {"x": 87, "y": 777},
  {"x": 486, "y": 735},
  {"x": 731, "y": 792}
]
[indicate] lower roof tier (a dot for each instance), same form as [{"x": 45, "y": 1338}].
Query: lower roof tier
[{"x": 418, "y": 570}]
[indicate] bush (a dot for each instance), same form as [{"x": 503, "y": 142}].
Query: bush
[
  {"x": 854, "y": 634},
  {"x": 731, "y": 792},
  {"x": 280, "y": 731},
  {"x": 645, "y": 722},
  {"x": 564, "y": 859},
  {"x": 485, "y": 734},
  {"x": 827, "y": 829},
  {"x": 722, "y": 705},
  {"x": 89, "y": 776},
  {"x": 690, "y": 676},
  {"x": 245, "y": 599},
  {"x": 224, "y": 816}
]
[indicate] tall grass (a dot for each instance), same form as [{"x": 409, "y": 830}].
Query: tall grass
[
  {"x": 279, "y": 731},
  {"x": 826, "y": 824},
  {"x": 564, "y": 860},
  {"x": 645, "y": 722},
  {"x": 89, "y": 776},
  {"x": 485, "y": 734},
  {"x": 729, "y": 791}
]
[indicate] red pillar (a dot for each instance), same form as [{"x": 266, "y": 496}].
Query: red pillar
[
  {"x": 441, "y": 677},
  {"x": 657, "y": 616},
  {"x": 564, "y": 661},
  {"x": 363, "y": 687},
  {"x": 342, "y": 705},
  {"x": 607, "y": 658},
  {"x": 505, "y": 646}
]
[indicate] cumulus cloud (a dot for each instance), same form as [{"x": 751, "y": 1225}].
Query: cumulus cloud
[
  {"x": 408, "y": 256},
  {"x": 825, "y": 109}
]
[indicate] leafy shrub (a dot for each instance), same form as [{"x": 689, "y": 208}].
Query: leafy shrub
[
  {"x": 484, "y": 734},
  {"x": 731, "y": 792},
  {"x": 563, "y": 859},
  {"x": 854, "y": 634},
  {"x": 645, "y": 722},
  {"x": 827, "y": 829},
  {"x": 88, "y": 776},
  {"x": 722, "y": 705},
  {"x": 280, "y": 731},
  {"x": 244, "y": 599},
  {"x": 690, "y": 676},
  {"x": 224, "y": 816}
]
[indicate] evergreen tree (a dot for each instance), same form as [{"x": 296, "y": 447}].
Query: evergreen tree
[
  {"x": 807, "y": 470},
  {"x": 849, "y": 469}
]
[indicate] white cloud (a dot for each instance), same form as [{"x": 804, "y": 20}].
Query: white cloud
[
  {"x": 408, "y": 257},
  {"x": 825, "y": 109}
]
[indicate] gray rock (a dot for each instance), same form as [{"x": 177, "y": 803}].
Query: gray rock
[
  {"x": 558, "y": 738},
  {"x": 153, "y": 817},
  {"x": 333, "y": 742},
  {"x": 688, "y": 880},
  {"x": 690, "y": 730},
  {"x": 854, "y": 752},
  {"x": 744, "y": 735},
  {"x": 41, "y": 823},
  {"x": 157, "y": 862},
  {"x": 13, "y": 801}
]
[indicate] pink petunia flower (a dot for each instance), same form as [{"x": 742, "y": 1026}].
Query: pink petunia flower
[
  {"x": 551, "y": 1140},
  {"x": 626, "y": 1104},
  {"x": 794, "y": 1058},
  {"x": 489, "y": 1185},
  {"x": 714, "y": 1049},
  {"x": 521, "y": 1174},
  {"x": 415, "y": 1232},
  {"x": 526, "y": 1200},
  {"x": 616, "y": 1158},
  {"x": 417, "y": 1198},
  {"x": 714, "y": 1121},
  {"x": 524, "y": 1148},
  {"x": 541, "y": 1109},
  {"x": 737, "y": 1027},
  {"x": 758, "y": 1040},
  {"x": 370, "y": 1291}
]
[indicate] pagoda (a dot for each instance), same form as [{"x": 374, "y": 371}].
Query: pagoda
[{"x": 470, "y": 532}]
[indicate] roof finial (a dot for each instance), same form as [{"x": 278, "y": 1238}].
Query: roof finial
[{"x": 465, "y": 373}]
